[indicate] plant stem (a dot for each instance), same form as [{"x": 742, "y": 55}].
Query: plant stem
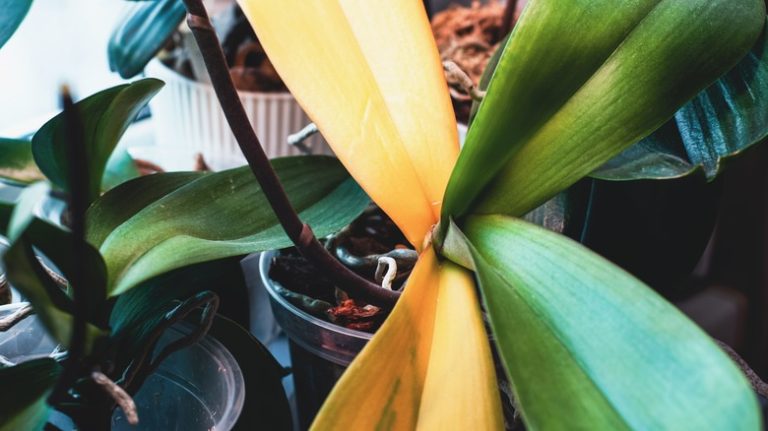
[
  {"x": 300, "y": 233},
  {"x": 78, "y": 203},
  {"x": 508, "y": 18}
]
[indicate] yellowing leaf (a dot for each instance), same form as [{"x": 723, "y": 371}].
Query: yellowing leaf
[
  {"x": 369, "y": 75},
  {"x": 429, "y": 366},
  {"x": 382, "y": 387},
  {"x": 461, "y": 391}
]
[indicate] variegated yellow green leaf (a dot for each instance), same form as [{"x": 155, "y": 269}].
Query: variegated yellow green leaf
[{"x": 369, "y": 75}]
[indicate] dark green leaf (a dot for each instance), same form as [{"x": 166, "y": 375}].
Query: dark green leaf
[
  {"x": 721, "y": 122},
  {"x": 13, "y": 13},
  {"x": 266, "y": 406},
  {"x": 567, "y": 98},
  {"x": 138, "y": 312},
  {"x": 587, "y": 346},
  {"x": 16, "y": 162},
  {"x": 142, "y": 33},
  {"x": 105, "y": 116},
  {"x": 215, "y": 216},
  {"x": 27, "y": 275},
  {"x": 122, "y": 203},
  {"x": 25, "y": 388}
]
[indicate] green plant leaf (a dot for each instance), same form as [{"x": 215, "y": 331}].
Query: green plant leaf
[
  {"x": 141, "y": 33},
  {"x": 567, "y": 98},
  {"x": 26, "y": 273},
  {"x": 138, "y": 312},
  {"x": 16, "y": 162},
  {"x": 587, "y": 346},
  {"x": 25, "y": 388},
  {"x": 214, "y": 216},
  {"x": 719, "y": 123},
  {"x": 13, "y": 14},
  {"x": 105, "y": 116},
  {"x": 114, "y": 208}
]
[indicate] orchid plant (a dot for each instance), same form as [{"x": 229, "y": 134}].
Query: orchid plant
[{"x": 585, "y": 344}]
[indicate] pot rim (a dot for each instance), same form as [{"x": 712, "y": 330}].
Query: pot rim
[
  {"x": 160, "y": 70},
  {"x": 265, "y": 260}
]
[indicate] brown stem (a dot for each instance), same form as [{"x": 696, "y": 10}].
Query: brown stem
[
  {"x": 508, "y": 18},
  {"x": 297, "y": 231},
  {"x": 118, "y": 395}
]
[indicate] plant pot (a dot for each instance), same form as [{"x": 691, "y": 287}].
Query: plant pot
[
  {"x": 200, "y": 387},
  {"x": 187, "y": 116},
  {"x": 320, "y": 351}
]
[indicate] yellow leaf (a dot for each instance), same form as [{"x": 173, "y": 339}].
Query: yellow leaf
[
  {"x": 461, "y": 391},
  {"x": 428, "y": 367},
  {"x": 382, "y": 387},
  {"x": 369, "y": 75}
]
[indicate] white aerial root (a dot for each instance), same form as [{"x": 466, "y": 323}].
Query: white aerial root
[{"x": 386, "y": 279}]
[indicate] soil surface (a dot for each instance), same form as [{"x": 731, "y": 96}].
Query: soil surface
[{"x": 372, "y": 233}]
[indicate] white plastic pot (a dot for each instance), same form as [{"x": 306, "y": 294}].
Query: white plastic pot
[{"x": 187, "y": 115}]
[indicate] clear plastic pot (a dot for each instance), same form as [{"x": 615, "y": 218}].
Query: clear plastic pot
[
  {"x": 320, "y": 351},
  {"x": 198, "y": 388}
]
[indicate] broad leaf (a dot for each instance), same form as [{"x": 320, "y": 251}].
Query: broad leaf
[
  {"x": 26, "y": 273},
  {"x": 566, "y": 98},
  {"x": 14, "y": 12},
  {"x": 25, "y": 388},
  {"x": 444, "y": 376},
  {"x": 386, "y": 393},
  {"x": 719, "y": 123},
  {"x": 105, "y": 116},
  {"x": 587, "y": 346},
  {"x": 142, "y": 32},
  {"x": 215, "y": 216},
  {"x": 16, "y": 162},
  {"x": 376, "y": 91}
]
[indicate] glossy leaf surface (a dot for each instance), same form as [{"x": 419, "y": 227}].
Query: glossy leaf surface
[
  {"x": 217, "y": 215},
  {"x": 105, "y": 115},
  {"x": 376, "y": 91},
  {"x": 13, "y": 14},
  {"x": 566, "y": 98},
  {"x": 588, "y": 346},
  {"x": 719, "y": 123},
  {"x": 142, "y": 33}
]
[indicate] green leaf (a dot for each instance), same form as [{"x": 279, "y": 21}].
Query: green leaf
[
  {"x": 16, "y": 162},
  {"x": 13, "y": 14},
  {"x": 587, "y": 346},
  {"x": 566, "y": 98},
  {"x": 114, "y": 208},
  {"x": 27, "y": 275},
  {"x": 719, "y": 123},
  {"x": 141, "y": 33},
  {"x": 138, "y": 312},
  {"x": 105, "y": 115},
  {"x": 25, "y": 388},
  {"x": 214, "y": 216}
]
